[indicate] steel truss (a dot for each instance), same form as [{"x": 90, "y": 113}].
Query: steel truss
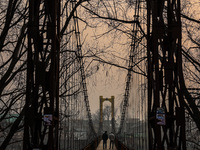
[
  {"x": 42, "y": 94},
  {"x": 164, "y": 63}
]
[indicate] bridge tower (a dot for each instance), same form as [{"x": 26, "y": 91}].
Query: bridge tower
[
  {"x": 111, "y": 100},
  {"x": 165, "y": 97},
  {"x": 42, "y": 104}
]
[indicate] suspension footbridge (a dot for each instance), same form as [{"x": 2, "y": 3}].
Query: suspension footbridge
[{"x": 157, "y": 110}]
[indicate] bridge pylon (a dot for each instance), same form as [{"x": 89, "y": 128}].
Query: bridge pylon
[{"x": 101, "y": 100}]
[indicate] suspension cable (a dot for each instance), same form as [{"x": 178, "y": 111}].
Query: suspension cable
[
  {"x": 82, "y": 70},
  {"x": 134, "y": 44}
]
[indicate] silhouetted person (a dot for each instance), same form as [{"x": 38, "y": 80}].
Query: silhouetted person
[
  {"x": 105, "y": 138},
  {"x": 112, "y": 140}
]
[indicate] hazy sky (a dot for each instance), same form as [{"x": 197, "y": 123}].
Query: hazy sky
[{"x": 109, "y": 80}]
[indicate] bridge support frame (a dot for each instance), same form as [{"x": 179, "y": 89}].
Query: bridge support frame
[{"x": 164, "y": 61}]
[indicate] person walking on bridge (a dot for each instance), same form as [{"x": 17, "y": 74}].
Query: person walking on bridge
[
  {"x": 112, "y": 139},
  {"x": 105, "y": 138}
]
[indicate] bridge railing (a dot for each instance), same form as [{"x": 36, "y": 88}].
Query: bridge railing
[
  {"x": 119, "y": 145},
  {"x": 94, "y": 144}
]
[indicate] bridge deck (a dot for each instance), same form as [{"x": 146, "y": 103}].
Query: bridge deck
[{"x": 100, "y": 147}]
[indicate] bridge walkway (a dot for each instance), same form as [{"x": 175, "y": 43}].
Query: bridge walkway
[{"x": 100, "y": 147}]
